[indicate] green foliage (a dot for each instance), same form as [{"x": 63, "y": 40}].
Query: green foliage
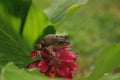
[
  {"x": 95, "y": 28},
  {"x": 59, "y": 8},
  {"x": 13, "y": 47},
  {"x": 23, "y": 23},
  {"x": 14, "y": 12},
  {"x": 106, "y": 61},
  {"x": 111, "y": 77},
  {"x": 11, "y": 72},
  {"x": 36, "y": 22}
]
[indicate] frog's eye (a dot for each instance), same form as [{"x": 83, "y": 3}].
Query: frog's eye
[{"x": 61, "y": 42}]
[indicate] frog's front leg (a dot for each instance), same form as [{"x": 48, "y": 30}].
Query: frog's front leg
[
  {"x": 51, "y": 51},
  {"x": 38, "y": 48}
]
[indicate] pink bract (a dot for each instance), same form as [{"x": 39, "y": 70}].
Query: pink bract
[{"x": 63, "y": 64}]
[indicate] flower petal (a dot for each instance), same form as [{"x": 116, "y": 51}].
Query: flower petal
[
  {"x": 70, "y": 76},
  {"x": 34, "y": 54},
  {"x": 44, "y": 55},
  {"x": 73, "y": 67},
  {"x": 43, "y": 66},
  {"x": 67, "y": 55},
  {"x": 66, "y": 48},
  {"x": 63, "y": 70},
  {"x": 33, "y": 64}
]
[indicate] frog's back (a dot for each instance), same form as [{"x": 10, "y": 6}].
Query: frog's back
[{"x": 48, "y": 40}]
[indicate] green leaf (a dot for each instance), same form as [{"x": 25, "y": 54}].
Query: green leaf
[
  {"x": 48, "y": 30},
  {"x": 11, "y": 72},
  {"x": 59, "y": 8},
  {"x": 106, "y": 61},
  {"x": 111, "y": 77},
  {"x": 13, "y": 47},
  {"x": 36, "y": 22},
  {"x": 14, "y": 12}
]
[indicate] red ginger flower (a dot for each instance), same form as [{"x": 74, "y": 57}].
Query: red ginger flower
[{"x": 61, "y": 65}]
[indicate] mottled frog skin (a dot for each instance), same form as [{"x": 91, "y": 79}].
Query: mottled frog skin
[{"x": 51, "y": 42}]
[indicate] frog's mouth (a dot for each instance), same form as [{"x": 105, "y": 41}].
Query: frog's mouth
[{"x": 67, "y": 42}]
